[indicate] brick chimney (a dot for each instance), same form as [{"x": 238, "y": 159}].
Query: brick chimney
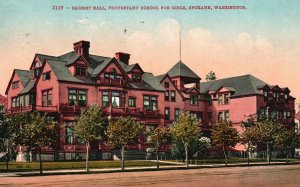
[
  {"x": 82, "y": 48},
  {"x": 123, "y": 57}
]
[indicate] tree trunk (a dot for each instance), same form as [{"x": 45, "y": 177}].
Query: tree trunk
[
  {"x": 157, "y": 162},
  {"x": 122, "y": 159},
  {"x": 186, "y": 155},
  {"x": 87, "y": 156},
  {"x": 6, "y": 162},
  {"x": 287, "y": 155},
  {"x": 268, "y": 154},
  {"x": 40, "y": 158},
  {"x": 225, "y": 155},
  {"x": 248, "y": 156}
]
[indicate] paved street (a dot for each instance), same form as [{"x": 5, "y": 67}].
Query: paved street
[{"x": 279, "y": 175}]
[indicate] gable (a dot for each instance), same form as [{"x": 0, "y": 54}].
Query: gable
[
  {"x": 14, "y": 78},
  {"x": 81, "y": 62},
  {"x": 168, "y": 79},
  {"x": 113, "y": 67}
]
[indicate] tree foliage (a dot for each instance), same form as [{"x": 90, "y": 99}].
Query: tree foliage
[
  {"x": 156, "y": 138},
  {"x": 250, "y": 138},
  {"x": 123, "y": 131},
  {"x": 186, "y": 130},
  {"x": 90, "y": 126},
  {"x": 268, "y": 131},
  {"x": 40, "y": 131},
  {"x": 224, "y": 135},
  {"x": 287, "y": 139},
  {"x": 211, "y": 76}
]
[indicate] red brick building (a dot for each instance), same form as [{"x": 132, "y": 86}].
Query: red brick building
[{"x": 62, "y": 85}]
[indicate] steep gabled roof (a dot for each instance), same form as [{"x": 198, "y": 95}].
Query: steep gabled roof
[
  {"x": 180, "y": 69},
  {"x": 241, "y": 85},
  {"x": 23, "y": 76},
  {"x": 29, "y": 86}
]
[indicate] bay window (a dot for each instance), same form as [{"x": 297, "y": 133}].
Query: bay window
[{"x": 15, "y": 102}]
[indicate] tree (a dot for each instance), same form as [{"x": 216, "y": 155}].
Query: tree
[
  {"x": 224, "y": 135},
  {"x": 287, "y": 139},
  {"x": 211, "y": 76},
  {"x": 197, "y": 148},
  {"x": 90, "y": 126},
  {"x": 250, "y": 138},
  {"x": 41, "y": 131},
  {"x": 123, "y": 131},
  {"x": 268, "y": 131},
  {"x": 186, "y": 130},
  {"x": 156, "y": 138}
]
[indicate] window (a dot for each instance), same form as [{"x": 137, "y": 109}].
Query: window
[
  {"x": 173, "y": 96},
  {"x": 167, "y": 113},
  {"x": 132, "y": 102},
  {"x": 209, "y": 116},
  {"x": 47, "y": 98},
  {"x": 286, "y": 97},
  {"x": 220, "y": 99},
  {"x": 220, "y": 116},
  {"x": 167, "y": 95},
  {"x": 26, "y": 100},
  {"x": 69, "y": 135},
  {"x": 265, "y": 96},
  {"x": 72, "y": 97},
  {"x": 288, "y": 114},
  {"x": 105, "y": 99},
  {"x": 166, "y": 85},
  {"x": 150, "y": 102},
  {"x": 226, "y": 98},
  {"x": 80, "y": 71},
  {"x": 226, "y": 115},
  {"x": 15, "y": 85},
  {"x": 15, "y": 102},
  {"x": 284, "y": 115},
  {"x": 175, "y": 82},
  {"x": 82, "y": 97},
  {"x": 136, "y": 78},
  {"x": 276, "y": 96},
  {"x": 21, "y": 98},
  {"x": 116, "y": 99},
  {"x": 46, "y": 76},
  {"x": 77, "y": 97},
  {"x": 194, "y": 100},
  {"x": 177, "y": 113},
  {"x": 112, "y": 74}
]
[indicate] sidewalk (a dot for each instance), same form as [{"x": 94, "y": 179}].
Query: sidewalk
[{"x": 177, "y": 165}]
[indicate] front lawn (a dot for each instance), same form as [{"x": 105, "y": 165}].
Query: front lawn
[{"x": 33, "y": 166}]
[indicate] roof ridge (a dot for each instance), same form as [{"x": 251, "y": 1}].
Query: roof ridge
[{"x": 227, "y": 78}]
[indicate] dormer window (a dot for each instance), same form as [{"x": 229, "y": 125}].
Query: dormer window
[
  {"x": 80, "y": 71},
  {"x": 136, "y": 78}
]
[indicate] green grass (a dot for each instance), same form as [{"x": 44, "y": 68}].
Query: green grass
[{"x": 34, "y": 166}]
